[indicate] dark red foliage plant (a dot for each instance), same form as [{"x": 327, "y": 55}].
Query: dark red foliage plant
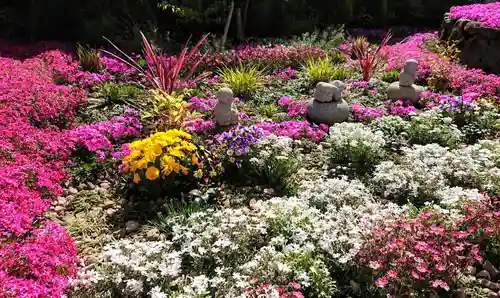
[{"x": 165, "y": 72}]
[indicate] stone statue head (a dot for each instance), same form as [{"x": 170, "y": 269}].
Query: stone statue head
[
  {"x": 411, "y": 66},
  {"x": 324, "y": 92},
  {"x": 337, "y": 94},
  {"x": 225, "y": 95}
]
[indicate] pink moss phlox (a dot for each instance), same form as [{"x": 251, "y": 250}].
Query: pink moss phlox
[
  {"x": 425, "y": 252},
  {"x": 294, "y": 107},
  {"x": 471, "y": 83},
  {"x": 98, "y": 137},
  {"x": 487, "y": 14},
  {"x": 295, "y": 129},
  {"x": 37, "y": 257}
]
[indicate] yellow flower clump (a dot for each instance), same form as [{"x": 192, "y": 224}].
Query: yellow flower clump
[{"x": 162, "y": 154}]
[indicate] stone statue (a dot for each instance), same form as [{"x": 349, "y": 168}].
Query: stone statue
[
  {"x": 409, "y": 74},
  {"x": 225, "y": 112},
  {"x": 327, "y": 106},
  {"x": 405, "y": 87}
]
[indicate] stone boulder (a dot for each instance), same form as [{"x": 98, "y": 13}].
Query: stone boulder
[{"x": 479, "y": 46}]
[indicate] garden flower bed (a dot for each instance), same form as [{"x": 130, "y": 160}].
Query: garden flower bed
[
  {"x": 475, "y": 28},
  {"x": 148, "y": 177}
]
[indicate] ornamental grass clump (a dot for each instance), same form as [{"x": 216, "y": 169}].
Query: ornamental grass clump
[
  {"x": 162, "y": 156},
  {"x": 90, "y": 59},
  {"x": 243, "y": 80}
]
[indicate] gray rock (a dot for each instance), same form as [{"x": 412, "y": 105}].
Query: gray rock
[
  {"x": 90, "y": 185},
  {"x": 108, "y": 204},
  {"x": 132, "y": 226},
  {"x": 110, "y": 212},
  {"x": 494, "y": 286},
  {"x": 324, "y": 92},
  {"x": 328, "y": 112},
  {"x": 153, "y": 235},
  {"x": 396, "y": 92},
  {"x": 337, "y": 93},
  {"x": 102, "y": 192},
  {"x": 470, "y": 270},
  {"x": 491, "y": 270},
  {"x": 69, "y": 219},
  {"x": 70, "y": 198},
  {"x": 460, "y": 293},
  {"x": 325, "y": 145},
  {"x": 82, "y": 186},
  {"x": 72, "y": 191},
  {"x": 105, "y": 185},
  {"x": 62, "y": 201},
  {"x": 479, "y": 46},
  {"x": 484, "y": 274},
  {"x": 58, "y": 208}
]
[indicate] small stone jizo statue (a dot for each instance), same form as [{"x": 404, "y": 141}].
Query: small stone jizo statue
[
  {"x": 225, "y": 112},
  {"x": 405, "y": 87},
  {"x": 327, "y": 106}
]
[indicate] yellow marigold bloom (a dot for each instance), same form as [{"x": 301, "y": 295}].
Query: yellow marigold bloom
[
  {"x": 137, "y": 178},
  {"x": 152, "y": 173},
  {"x": 176, "y": 152},
  {"x": 194, "y": 159},
  {"x": 157, "y": 149}
]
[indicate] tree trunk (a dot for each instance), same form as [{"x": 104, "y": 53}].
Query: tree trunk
[
  {"x": 245, "y": 14},
  {"x": 226, "y": 27},
  {"x": 239, "y": 25}
]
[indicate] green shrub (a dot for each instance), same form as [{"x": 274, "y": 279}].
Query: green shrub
[{"x": 390, "y": 76}]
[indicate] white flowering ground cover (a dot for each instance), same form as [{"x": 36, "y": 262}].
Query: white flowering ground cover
[{"x": 312, "y": 237}]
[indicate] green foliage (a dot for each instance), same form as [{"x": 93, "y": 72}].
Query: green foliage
[
  {"x": 341, "y": 73},
  {"x": 390, "y": 76},
  {"x": 86, "y": 168},
  {"x": 328, "y": 39},
  {"x": 243, "y": 80},
  {"x": 446, "y": 49},
  {"x": 319, "y": 70},
  {"x": 268, "y": 109},
  {"x": 90, "y": 59},
  {"x": 115, "y": 93}
]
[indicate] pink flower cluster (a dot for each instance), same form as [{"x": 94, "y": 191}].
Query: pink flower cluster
[
  {"x": 294, "y": 107},
  {"x": 201, "y": 104},
  {"x": 295, "y": 129},
  {"x": 286, "y": 74},
  {"x": 115, "y": 66},
  {"x": 96, "y": 137},
  {"x": 199, "y": 125},
  {"x": 292, "y": 290},
  {"x": 428, "y": 251},
  {"x": 471, "y": 83},
  {"x": 37, "y": 257},
  {"x": 284, "y": 55},
  {"x": 487, "y": 14},
  {"x": 66, "y": 70},
  {"x": 362, "y": 113}
]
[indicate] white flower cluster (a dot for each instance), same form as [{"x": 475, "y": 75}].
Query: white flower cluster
[
  {"x": 356, "y": 143},
  {"x": 394, "y": 128},
  {"x": 427, "y": 173},
  {"x": 219, "y": 252}
]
